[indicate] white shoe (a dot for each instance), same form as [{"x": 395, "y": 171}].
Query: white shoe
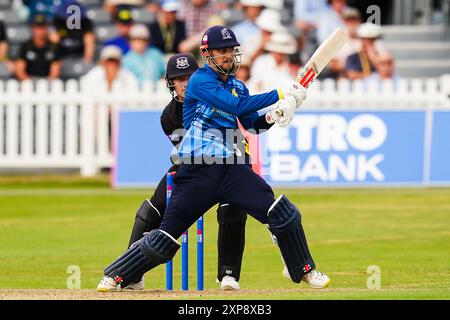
[
  {"x": 135, "y": 285},
  {"x": 316, "y": 279},
  {"x": 229, "y": 283},
  {"x": 107, "y": 284}
]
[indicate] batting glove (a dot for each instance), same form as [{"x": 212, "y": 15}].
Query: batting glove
[
  {"x": 283, "y": 112},
  {"x": 296, "y": 90}
]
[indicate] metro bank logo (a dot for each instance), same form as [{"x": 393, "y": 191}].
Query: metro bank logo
[{"x": 327, "y": 147}]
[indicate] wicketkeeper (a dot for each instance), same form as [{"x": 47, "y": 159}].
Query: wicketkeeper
[{"x": 214, "y": 101}]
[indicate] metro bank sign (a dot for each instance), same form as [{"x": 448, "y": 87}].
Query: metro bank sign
[
  {"x": 319, "y": 148},
  {"x": 345, "y": 148}
]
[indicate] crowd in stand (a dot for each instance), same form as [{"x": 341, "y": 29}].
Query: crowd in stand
[{"x": 274, "y": 45}]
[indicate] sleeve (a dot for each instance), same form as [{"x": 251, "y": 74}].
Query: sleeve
[
  {"x": 169, "y": 127},
  {"x": 3, "y": 34},
  {"x": 182, "y": 30},
  {"x": 211, "y": 93},
  {"x": 57, "y": 51},
  {"x": 255, "y": 122},
  {"x": 164, "y": 119}
]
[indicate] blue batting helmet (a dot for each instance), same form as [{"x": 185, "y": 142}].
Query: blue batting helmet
[{"x": 219, "y": 37}]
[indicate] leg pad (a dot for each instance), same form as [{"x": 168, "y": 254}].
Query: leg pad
[
  {"x": 285, "y": 224},
  {"x": 154, "y": 249}
]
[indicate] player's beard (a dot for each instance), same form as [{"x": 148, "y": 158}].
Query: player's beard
[{"x": 230, "y": 69}]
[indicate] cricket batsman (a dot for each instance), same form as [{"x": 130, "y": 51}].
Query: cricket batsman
[
  {"x": 231, "y": 234},
  {"x": 209, "y": 172}
]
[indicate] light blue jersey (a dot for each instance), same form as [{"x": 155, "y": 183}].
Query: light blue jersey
[{"x": 212, "y": 106}]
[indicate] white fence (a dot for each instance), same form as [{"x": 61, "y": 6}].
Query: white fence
[{"x": 57, "y": 125}]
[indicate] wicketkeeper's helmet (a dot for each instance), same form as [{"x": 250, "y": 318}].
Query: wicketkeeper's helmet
[{"x": 179, "y": 65}]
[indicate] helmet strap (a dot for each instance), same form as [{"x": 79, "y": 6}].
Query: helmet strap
[{"x": 171, "y": 86}]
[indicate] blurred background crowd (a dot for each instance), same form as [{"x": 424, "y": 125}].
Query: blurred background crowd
[{"x": 127, "y": 42}]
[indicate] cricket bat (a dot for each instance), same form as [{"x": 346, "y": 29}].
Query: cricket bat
[
  {"x": 319, "y": 60},
  {"x": 321, "y": 57}
]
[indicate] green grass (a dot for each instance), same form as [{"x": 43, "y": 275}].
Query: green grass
[{"x": 47, "y": 224}]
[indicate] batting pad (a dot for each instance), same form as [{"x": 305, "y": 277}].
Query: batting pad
[{"x": 285, "y": 223}]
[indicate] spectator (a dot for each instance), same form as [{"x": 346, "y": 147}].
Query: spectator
[
  {"x": 272, "y": 69},
  {"x": 108, "y": 73},
  {"x": 248, "y": 27},
  {"x": 123, "y": 22},
  {"x": 43, "y": 7},
  {"x": 146, "y": 64},
  {"x": 295, "y": 64},
  {"x": 3, "y": 42},
  {"x": 243, "y": 73},
  {"x": 74, "y": 41},
  {"x": 274, "y": 4},
  {"x": 168, "y": 32},
  {"x": 196, "y": 14},
  {"x": 352, "y": 20},
  {"x": 269, "y": 22},
  {"x": 384, "y": 71},
  {"x": 307, "y": 13},
  {"x": 361, "y": 64},
  {"x": 8, "y": 66},
  {"x": 330, "y": 19},
  {"x": 38, "y": 57}
]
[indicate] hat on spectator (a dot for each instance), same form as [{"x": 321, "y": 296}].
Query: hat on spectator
[
  {"x": 281, "y": 42},
  {"x": 139, "y": 31},
  {"x": 170, "y": 5},
  {"x": 270, "y": 20},
  {"x": 351, "y": 13},
  {"x": 252, "y": 3},
  {"x": 123, "y": 15},
  {"x": 111, "y": 52},
  {"x": 39, "y": 20},
  {"x": 368, "y": 31}
]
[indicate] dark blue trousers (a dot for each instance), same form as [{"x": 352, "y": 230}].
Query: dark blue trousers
[{"x": 197, "y": 187}]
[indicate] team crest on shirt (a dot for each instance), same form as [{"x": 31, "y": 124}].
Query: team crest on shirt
[
  {"x": 225, "y": 34},
  {"x": 182, "y": 63},
  {"x": 234, "y": 93}
]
